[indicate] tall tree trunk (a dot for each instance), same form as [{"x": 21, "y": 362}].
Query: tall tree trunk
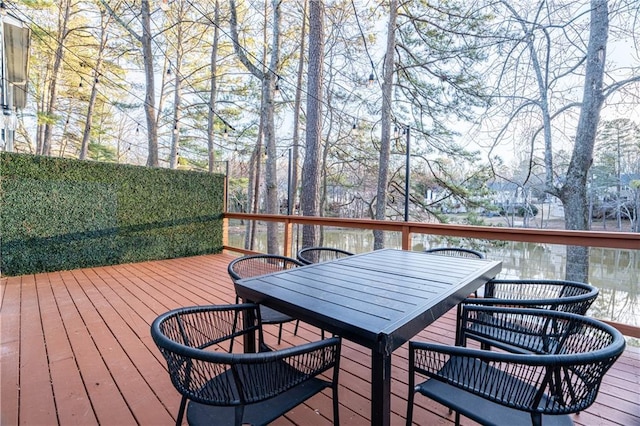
[
  {"x": 311, "y": 168},
  {"x": 86, "y": 134},
  {"x": 573, "y": 194},
  {"x": 150, "y": 96},
  {"x": 271, "y": 176},
  {"x": 177, "y": 114},
  {"x": 254, "y": 187},
  {"x": 145, "y": 39},
  {"x": 267, "y": 77},
  {"x": 385, "y": 136},
  {"x": 213, "y": 89},
  {"x": 177, "y": 93},
  {"x": 293, "y": 191},
  {"x": 63, "y": 21}
]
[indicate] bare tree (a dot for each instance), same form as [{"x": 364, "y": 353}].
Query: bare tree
[
  {"x": 388, "y": 73},
  {"x": 64, "y": 12},
  {"x": 292, "y": 196},
  {"x": 309, "y": 199},
  {"x": 267, "y": 76},
  {"x": 145, "y": 38},
  {"x": 104, "y": 37},
  {"x": 213, "y": 87},
  {"x": 555, "y": 62}
]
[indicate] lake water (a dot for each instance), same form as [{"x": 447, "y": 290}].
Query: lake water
[{"x": 615, "y": 272}]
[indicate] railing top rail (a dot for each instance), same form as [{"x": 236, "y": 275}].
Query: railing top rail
[{"x": 619, "y": 240}]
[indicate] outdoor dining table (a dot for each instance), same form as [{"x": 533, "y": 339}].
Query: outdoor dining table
[{"x": 379, "y": 300}]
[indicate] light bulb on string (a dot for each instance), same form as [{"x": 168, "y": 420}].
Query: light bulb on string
[
  {"x": 372, "y": 80},
  {"x": 276, "y": 89}
]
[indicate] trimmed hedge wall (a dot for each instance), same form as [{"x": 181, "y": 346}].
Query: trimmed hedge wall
[{"x": 58, "y": 214}]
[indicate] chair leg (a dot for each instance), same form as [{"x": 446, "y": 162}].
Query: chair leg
[
  {"x": 183, "y": 404},
  {"x": 336, "y": 416},
  {"x": 279, "y": 334},
  {"x": 295, "y": 331},
  {"x": 239, "y": 413},
  {"x": 457, "y": 419},
  {"x": 410, "y": 408},
  {"x": 235, "y": 324},
  {"x": 536, "y": 419}
]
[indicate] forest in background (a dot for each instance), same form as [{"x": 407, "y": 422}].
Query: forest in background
[{"x": 353, "y": 101}]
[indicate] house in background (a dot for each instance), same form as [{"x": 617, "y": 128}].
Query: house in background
[{"x": 14, "y": 46}]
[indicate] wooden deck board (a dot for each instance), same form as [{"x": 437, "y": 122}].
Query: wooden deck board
[{"x": 76, "y": 349}]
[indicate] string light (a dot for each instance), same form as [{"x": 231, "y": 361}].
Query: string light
[
  {"x": 276, "y": 89},
  {"x": 372, "y": 80}
]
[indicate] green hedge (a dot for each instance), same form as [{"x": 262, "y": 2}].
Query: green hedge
[{"x": 59, "y": 214}]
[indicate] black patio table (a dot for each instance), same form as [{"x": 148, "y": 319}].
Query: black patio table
[{"x": 379, "y": 300}]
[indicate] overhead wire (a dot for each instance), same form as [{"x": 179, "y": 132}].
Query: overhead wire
[
  {"x": 80, "y": 73},
  {"x": 224, "y": 32},
  {"x": 274, "y": 72}
]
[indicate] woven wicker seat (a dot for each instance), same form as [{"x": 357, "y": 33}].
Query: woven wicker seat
[
  {"x": 261, "y": 264},
  {"x": 566, "y": 358},
  {"x": 557, "y": 295},
  {"x": 239, "y": 388},
  {"x": 311, "y": 255}
]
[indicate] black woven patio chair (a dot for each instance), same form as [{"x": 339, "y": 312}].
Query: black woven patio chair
[
  {"x": 456, "y": 251},
  {"x": 557, "y": 295},
  {"x": 260, "y": 264},
  {"x": 311, "y": 255},
  {"x": 239, "y": 388},
  {"x": 567, "y": 357}
]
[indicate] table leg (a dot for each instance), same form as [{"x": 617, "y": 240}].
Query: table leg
[{"x": 380, "y": 388}]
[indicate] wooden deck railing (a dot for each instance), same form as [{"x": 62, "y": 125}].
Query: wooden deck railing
[
  {"x": 619, "y": 240},
  {"x": 614, "y": 240}
]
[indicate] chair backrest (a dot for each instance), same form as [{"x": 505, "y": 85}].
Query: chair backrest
[
  {"x": 309, "y": 255},
  {"x": 187, "y": 338},
  {"x": 456, "y": 251},
  {"x": 203, "y": 372},
  {"x": 259, "y": 264},
  {"x": 559, "y": 295},
  {"x": 573, "y": 354}
]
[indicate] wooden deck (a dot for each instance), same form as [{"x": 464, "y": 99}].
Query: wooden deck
[{"x": 76, "y": 349}]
